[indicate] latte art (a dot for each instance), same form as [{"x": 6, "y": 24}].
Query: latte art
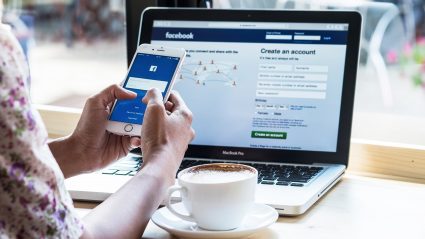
[{"x": 217, "y": 173}]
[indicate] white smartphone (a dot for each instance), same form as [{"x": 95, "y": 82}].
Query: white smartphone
[{"x": 152, "y": 67}]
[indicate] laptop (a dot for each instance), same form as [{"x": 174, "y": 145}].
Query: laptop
[{"x": 270, "y": 89}]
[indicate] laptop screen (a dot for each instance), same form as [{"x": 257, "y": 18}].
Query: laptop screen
[{"x": 260, "y": 84}]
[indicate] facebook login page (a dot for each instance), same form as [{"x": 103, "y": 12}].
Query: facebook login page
[
  {"x": 258, "y": 84},
  {"x": 147, "y": 71}
]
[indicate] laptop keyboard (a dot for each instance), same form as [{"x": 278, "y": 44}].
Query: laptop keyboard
[
  {"x": 126, "y": 166},
  {"x": 268, "y": 174}
]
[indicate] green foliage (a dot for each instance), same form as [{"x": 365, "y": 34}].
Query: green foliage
[{"x": 413, "y": 59}]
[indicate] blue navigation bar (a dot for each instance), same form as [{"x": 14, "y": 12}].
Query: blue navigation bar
[{"x": 250, "y": 35}]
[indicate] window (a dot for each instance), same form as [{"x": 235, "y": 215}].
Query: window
[
  {"x": 75, "y": 48},
  {"x": 390, "y": 87}
]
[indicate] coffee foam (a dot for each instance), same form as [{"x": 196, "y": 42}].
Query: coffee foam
[{"x": 217, "y": 173}]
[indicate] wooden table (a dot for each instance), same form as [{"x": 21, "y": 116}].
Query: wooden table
[{"x": 357, "y": 207}]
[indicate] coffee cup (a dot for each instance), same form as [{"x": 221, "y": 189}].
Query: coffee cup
[{"x": 216, "y": 196}]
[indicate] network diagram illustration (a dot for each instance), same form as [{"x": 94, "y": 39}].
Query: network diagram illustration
[{"x": 205, "y": 72}]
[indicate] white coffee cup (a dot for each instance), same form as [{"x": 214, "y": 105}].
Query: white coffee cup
[{"x": 215, "y": 203}]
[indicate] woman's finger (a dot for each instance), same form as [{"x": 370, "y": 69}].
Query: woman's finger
[
  {"x": 177, "y": 101},
  {"x": 135, "y": 142},
  {"x": 153, "y": 96},
  {"x": 112, "y": 93},
  {"x": 169, "y": 106}
]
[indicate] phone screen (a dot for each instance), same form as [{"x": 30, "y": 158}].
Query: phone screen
[{"x": 147, "y": 71}]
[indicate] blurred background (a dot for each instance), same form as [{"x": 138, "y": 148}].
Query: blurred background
[{"x": 77, "y": 47}]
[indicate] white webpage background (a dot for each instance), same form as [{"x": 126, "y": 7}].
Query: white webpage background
[{"x": 223, "y": 114}]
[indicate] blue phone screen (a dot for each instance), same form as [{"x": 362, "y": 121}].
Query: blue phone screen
[{"x": 147, "y": 71}]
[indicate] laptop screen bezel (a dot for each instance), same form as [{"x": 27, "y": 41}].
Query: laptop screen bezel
[{"x": 347, "y": 101}]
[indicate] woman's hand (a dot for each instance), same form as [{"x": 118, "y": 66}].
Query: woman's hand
[
  {"x": 91, "y": 147},
  {"x": 166, "y": 132}
]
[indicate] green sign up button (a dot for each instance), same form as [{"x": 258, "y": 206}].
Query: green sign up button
[{"x": 268, "y": 135}]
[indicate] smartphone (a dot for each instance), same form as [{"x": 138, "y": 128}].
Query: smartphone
[{"x": 152, "y": 67}]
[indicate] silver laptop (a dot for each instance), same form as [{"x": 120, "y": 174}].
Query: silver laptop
[{"x": 271, "y": 89}]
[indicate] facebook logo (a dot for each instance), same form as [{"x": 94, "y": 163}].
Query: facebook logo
[{"x": 153, "y": 68}]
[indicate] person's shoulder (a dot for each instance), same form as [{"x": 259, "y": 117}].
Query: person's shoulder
[
  {"x": 5, "y": 26},
  {"x": 6, "y": 40},
  {"x": 13, "y": 64},
  {"x": 5, "y": 32}
]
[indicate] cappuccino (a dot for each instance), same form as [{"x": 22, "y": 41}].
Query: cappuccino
[
  {"x": 218, "y": 173},
  {"x": 216, "y": 196}
]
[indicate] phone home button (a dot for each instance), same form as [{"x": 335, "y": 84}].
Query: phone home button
[{"x": 128, "y": 127}]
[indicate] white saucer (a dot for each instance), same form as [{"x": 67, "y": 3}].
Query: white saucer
[{"x": 261, "y": 216}]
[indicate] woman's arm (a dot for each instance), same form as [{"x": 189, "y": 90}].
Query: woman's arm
[
  {"x": 90, "y": 147},
  {"x": 127, "y": 212},
  {"x": 67, "y": 155},
  {"x": 164, "y": 141}
]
